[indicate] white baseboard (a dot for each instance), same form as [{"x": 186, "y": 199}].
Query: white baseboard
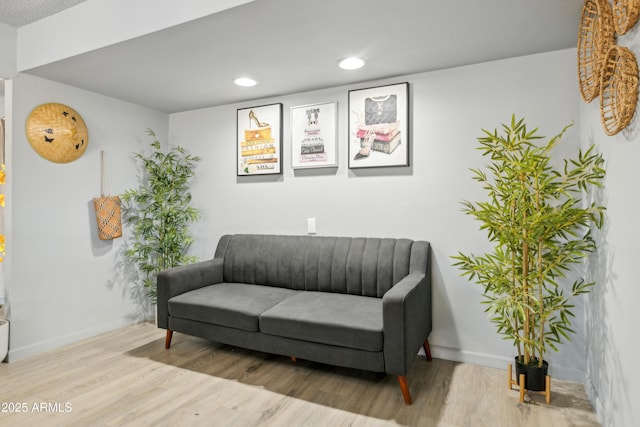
[
  {"x": 43, "y": 346},
  {"x": 492, "y": 361},
  {"x": 464, "y": 356}
]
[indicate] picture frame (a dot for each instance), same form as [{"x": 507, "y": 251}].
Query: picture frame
[
  {"x": 379, "y": 126},
  {"x": 259, "y": 140},
  {"x": 314, "y": 136}
]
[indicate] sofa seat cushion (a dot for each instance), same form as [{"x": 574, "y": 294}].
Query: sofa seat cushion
[
  {"x": 234, "y": 305},
  {"x": 328, "y": 318}
]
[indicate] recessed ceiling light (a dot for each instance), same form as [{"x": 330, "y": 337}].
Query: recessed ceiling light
[
  {"x": 351, "y": 63},
  {"x": 245, "y": 81}
]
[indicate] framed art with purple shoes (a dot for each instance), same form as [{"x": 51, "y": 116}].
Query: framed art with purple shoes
[
  {"x": 314, "y": 136},
  {"x": 259, "y": 140},
  {"x": 379, "y": 126}
]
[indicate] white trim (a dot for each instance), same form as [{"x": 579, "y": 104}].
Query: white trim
[
  {"x": 565, "y": 373},
  {"x": 43, "y": 346}
]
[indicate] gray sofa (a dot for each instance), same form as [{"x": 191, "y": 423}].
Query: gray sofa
[{"x": 360, "y": 303}]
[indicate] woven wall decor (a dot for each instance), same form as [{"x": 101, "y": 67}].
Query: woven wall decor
[
  {"x": 625, "y": 15},
  {"x": 595, "y": 37},
  {"x": 619, "y": 89},
  {"x": 108, "y": 208},
  {"x": 57, "y": 132}
]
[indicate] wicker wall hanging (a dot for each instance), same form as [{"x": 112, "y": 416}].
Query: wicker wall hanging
[
  {"x": 108, "y": 209},
  {"x": 57, "y": 132},
  {"x": 625, "y": 15},
  {"x": 595, "y": 37},
  {"x": 619, "y": 89}
]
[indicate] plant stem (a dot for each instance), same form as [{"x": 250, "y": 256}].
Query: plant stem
[
  {"x": 525, "y": 287},
  {"x": 540, "y": 279},
  {"x": 513, "y": 280}
]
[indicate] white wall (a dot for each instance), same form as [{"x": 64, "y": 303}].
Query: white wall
[
  {"x": 57, "y": 269},
  {"x": 449, "y": 108},
  {"x": 63, "y": 283},
  {"x": 612, "y": 353},
  {"x": 8, "y": 36}
]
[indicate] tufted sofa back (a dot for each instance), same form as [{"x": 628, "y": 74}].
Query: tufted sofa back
[{"x": 358, "y": 266}]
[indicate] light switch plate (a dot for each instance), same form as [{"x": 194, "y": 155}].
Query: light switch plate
[{"x": 311, "y": 225}]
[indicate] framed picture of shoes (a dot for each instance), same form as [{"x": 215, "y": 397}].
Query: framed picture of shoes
[
  {"x": 259, "y": 140},
  {"x": 379, "y": 126},
  {"x": 314, "y": 136}
]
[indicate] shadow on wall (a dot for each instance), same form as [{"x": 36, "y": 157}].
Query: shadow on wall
[
  {"x": 606, "y": 383},
  {"x": 633, "y": 129},
  {"x": 441, "y": 307},
  {"x": 124, "y": 275},
  {"x": 98, "y": 247},
  {"x": 570, "y": 361},
  {"x": 631, "y": 132}
]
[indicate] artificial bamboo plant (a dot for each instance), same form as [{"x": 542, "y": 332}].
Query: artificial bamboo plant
[
  {"x": 160, "y": 212},
  {"x": 540, "y": 226}
]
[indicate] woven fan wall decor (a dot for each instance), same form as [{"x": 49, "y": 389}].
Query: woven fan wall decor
[
  {"x": 625, "y": 15},
  {"x": 619, "y": 89},
  {"x": 595, "y": 37},
  {"x": 57, "y": 132}
]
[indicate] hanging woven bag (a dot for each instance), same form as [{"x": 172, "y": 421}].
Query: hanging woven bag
[{"x": 108, "y": 210}]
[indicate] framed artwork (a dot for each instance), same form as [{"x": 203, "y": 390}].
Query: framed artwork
[
  {"x": 259, "y": 140},
  {"x": 379, "y": 126},
  {"x": 314, "y": 136}
]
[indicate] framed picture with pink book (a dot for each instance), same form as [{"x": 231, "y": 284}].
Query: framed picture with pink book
[
  {"x": 259, "y": 140},
  {"x": 379, "y": 126}
]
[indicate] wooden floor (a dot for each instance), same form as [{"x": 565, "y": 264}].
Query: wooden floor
[{"x": 126, "y": 377}]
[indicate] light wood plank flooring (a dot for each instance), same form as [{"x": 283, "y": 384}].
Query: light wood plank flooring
[{"x": 126, "y": 377}]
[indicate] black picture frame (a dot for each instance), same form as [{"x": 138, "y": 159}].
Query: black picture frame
[
  {"x": 379, "y": 126},
  {"x": 259, "y": 140}
]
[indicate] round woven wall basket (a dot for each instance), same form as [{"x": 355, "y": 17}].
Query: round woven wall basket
[
  {"x": 595, "y": 37},
  {"x": 625, "y": 15},
  {"x": 57, "y": 132},
  {"x": 619, "y": 90}
]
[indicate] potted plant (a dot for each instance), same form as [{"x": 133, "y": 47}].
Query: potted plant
[
  {"x": 160, "y": 212},
  {"x": 540, "y": 227}
]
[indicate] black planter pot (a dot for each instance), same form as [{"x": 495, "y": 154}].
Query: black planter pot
[{"x": 534, "y": 376}]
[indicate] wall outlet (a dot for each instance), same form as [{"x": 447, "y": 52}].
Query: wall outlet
[{"x": 311, "y": 225}]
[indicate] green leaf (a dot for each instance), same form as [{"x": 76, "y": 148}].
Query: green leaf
[
  {"x": 159, "y": 212},
  {"x": 536, "y": 217}
]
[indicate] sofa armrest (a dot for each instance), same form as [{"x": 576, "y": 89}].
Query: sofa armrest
[
  {"x": 178, "y": 280},
  {"x": 406, "y": 314}
]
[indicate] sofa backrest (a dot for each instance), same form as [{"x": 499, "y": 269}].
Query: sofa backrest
[{"x": 358, "y": 266}]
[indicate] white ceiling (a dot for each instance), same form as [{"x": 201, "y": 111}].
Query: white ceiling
[
  {"x": 293, "y": 46},
  {"x": 17, "y": 13}
]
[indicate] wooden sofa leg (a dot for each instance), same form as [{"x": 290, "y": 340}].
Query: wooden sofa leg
[
  {"x": 404, "y": 387},
  {"x": 167, "y": 342},
  {"x": 427, "y": 350}
]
